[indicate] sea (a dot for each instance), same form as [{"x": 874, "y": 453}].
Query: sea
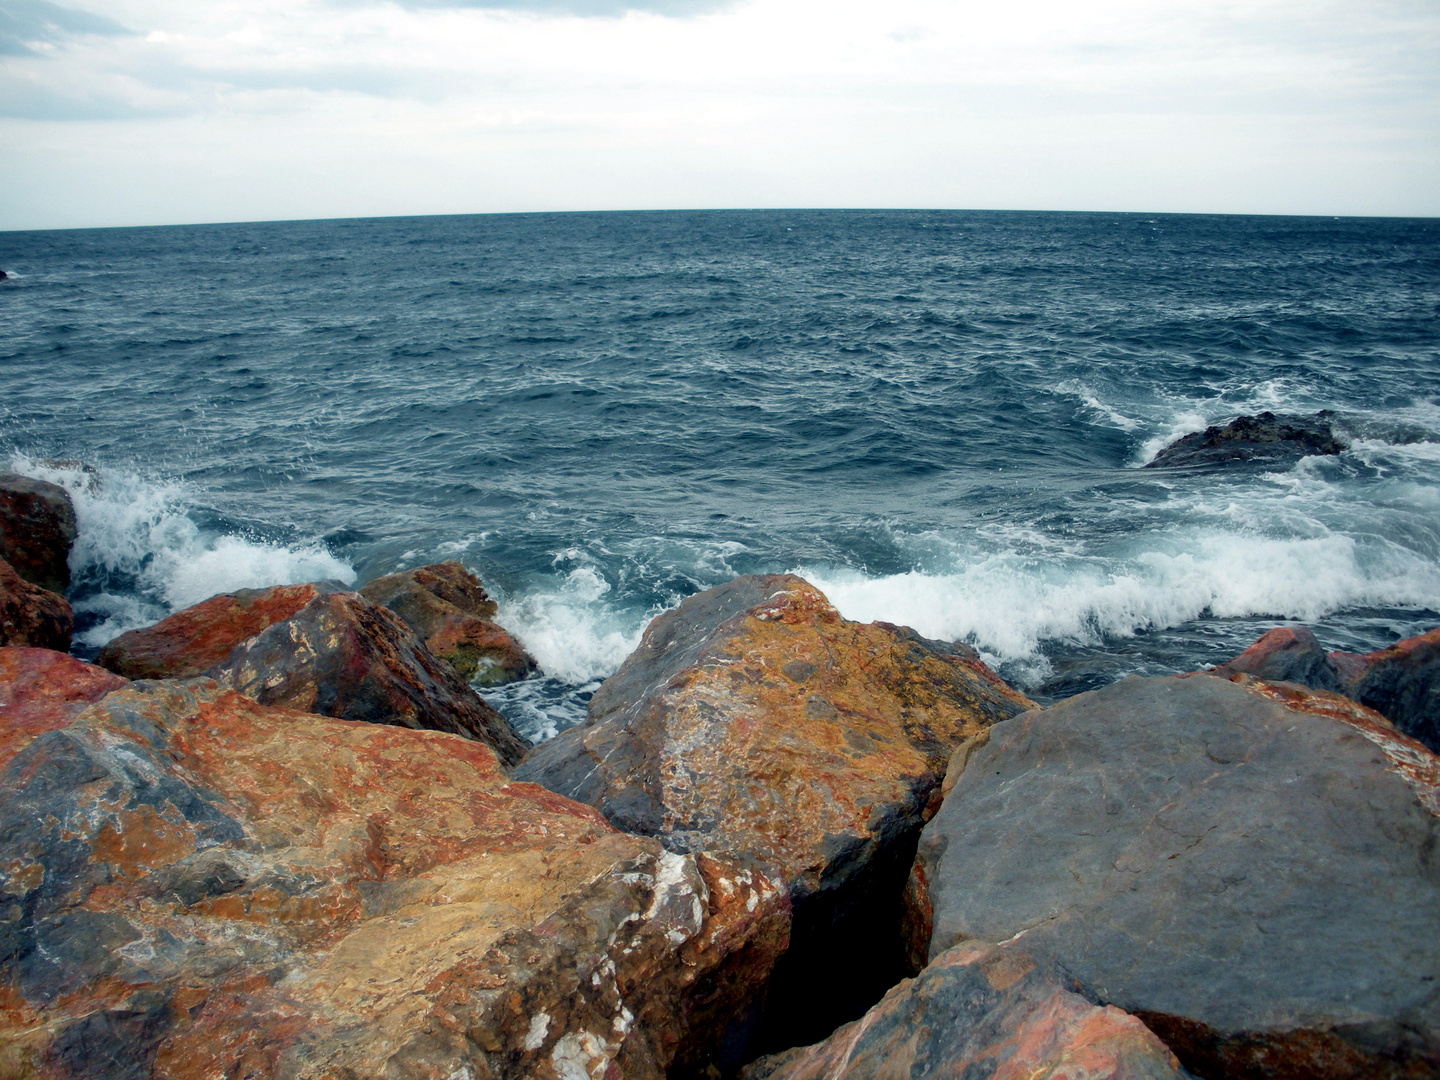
[{"x": 940, "y": 418}]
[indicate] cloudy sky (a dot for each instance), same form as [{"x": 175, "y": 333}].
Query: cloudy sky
[{"x": 164, "y": 111}]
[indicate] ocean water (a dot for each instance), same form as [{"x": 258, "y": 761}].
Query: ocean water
[{"x": 940, "y": 418}]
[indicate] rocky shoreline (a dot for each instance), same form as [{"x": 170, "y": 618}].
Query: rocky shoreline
[{"x": 278, "y": 834}]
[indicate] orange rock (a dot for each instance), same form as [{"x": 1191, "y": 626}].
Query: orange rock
[
  {"x": 199, "y": 885},
  {"x": 41, "y": 690},
  {"x": 30, "y": 615}
]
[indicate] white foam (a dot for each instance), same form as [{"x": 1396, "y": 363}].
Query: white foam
[
  {"x": 138, "y": 531},
  {"x": 570, "y": 631}
]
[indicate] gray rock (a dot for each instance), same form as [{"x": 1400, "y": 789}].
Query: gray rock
[
  {"x": 1252, "y": 869},
  {"x": 1266, "y": 437}
]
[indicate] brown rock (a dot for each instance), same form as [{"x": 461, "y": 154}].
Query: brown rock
[
  {"x": 1285, "y": 654},
  {"x": 30, "y": 615},
  {"x": 982, "y": 1010},
  {"x": 197, "y": 885},
  {"x": 37, "y": 530},
  {"x": 449, "y": 609},
  {"x": 41, "y": 690},
  {"x": 754, "y": 718},
  {"x": 319, "y": 649},
  {"x": 1248, "y": 867}
]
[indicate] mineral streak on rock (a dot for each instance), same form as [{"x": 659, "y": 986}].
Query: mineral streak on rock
[
  {"x": 1266, "y": 437},
  {"x": 37, "y": 530},
  {"x": 316, "y": 648},
  {"x": 754, "y": 718},
  {"x": 30, "y": 615},
  {"x": 1250, "y": 868},
  {"x": 982, "y": 1010},
  {"x": 197, "y": 885},
  {"x": 449, "y": 609},
  {"x": 41, "y": 690}
]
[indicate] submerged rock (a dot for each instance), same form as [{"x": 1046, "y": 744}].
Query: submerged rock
[
  {"x": 982, "y": 1010},
  {"x": 317, "y": 648},
  {"x": 1249, "y": 868},
  {"x": 449, "y": 609},
  {"x": 754, "y": 718},
  {"x": 196, "y": 885},
  {"x": 1265, "y": 437},
  {"x": 30, "y": 615},
  {"x": 41, "y": 690},
  {"x": 37, "y": 530}
]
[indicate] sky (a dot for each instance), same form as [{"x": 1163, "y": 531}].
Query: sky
[{"x": 135, "y": 112}]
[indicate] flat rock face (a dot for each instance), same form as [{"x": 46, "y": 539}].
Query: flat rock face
[
  {"x": 316, "y": 648},
  {"x": 41, "y": 690},
  {"x": 30, "y": 615},
  {"x": 37, "y": 530},
  {"x": 754, "y": 718},
  {"x": 1252, "y": 869},
  {"x": 196, "y": 885},
  {"x": 449, "y": 609},
  {"x": 1266, "y": 437},
  {"x": 985, "y": 1011}
]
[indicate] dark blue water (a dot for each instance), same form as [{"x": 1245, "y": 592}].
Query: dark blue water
[{"x": 939, "y": 418}]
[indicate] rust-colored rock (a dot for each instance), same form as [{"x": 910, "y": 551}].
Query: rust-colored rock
[
  {"x": 30, "y": 615},
  {"x": 449, "y": 609},
  {"x": 196, "y": 885},
  {"x": 41, "y": 690},
  {"x": 1285, "y": 654},
  {"x": 316, "y": 648},
  {"x": 985, "y": 1011},
  {"x": 37, "y": 530},
  {"x": 1248, "y": 867},
  {"x": 754, "y": 718}
]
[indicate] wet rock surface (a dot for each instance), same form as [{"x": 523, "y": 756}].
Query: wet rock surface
[
  {"x": 37, "y": 530},
  {"x": 982, "y": 1010},
  {"x": 198, "y": 885},
  {"x": 450, "y": 610},
  {"x": 754, "y": 718},
  {"x": 30, "y": 615},
  {"x": 1266, "y": 438},
  {"x": 1251, "y": 868},
  {"x": 316, "y": 648}
]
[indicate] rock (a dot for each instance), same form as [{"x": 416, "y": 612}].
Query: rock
[
  {"x": 30, "y": 615},
  {"x": 41, "y": 690},
  {"x": 754, "y": 718},
  {"x": 985, "y": 1011},
  {"x": 319, "y": 649},
  {"x": 1250, "y": 868},
  {"x": 1401, "y": 682},
  {"x": 1266, "y": 437},
  {"x": 449, "y": 609},
  {"x": 1285, "y": 654},
  {"x": 37, "y": 530},
  {"x": 196, "y": 885}
]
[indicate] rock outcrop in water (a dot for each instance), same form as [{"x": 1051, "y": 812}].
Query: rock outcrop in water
[
  {"x": 754, "y": 718},
  {"x": 1401, "y": 681},
  {"x": 982, "y": 1010},
  {"x": 1250, "y": 868},
  {"x": 30, "y": 615},
  {"x": 317, "y": 648},
  {"x": 37, "y": 530},
  {"x": 1266, "y": 437},
  {"x": 196, "y": 885},
  {"x": 450, "y": 610}
]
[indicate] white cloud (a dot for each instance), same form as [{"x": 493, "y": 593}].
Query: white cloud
[{"x": 263, "y": 109}]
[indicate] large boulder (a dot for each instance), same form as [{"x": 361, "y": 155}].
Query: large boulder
[
  {"x": 41, "y": 690},
  {"x": 1248, "y": 867},
  {"x": 196, "y": 885},
  {"x": 1266, "y": 438},
  {"x": 30, "y": 615},
  {"x": 450, "y": 610},
  {"x": 317, "y": 648},
  {"x": 37, "y": 530},
  {"x": 754, "y": 718},
  {"x": 1401, "y": 682},
  {"x": 982, "y": 1010}
]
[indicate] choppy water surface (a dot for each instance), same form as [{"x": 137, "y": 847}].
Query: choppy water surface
[{"x": 939, "y": 418}]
